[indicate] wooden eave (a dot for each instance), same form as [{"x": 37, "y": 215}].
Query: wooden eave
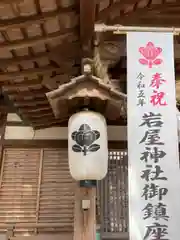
[
  {"x": 88, "y": 91},
  {"x": 42, "y": 44}
]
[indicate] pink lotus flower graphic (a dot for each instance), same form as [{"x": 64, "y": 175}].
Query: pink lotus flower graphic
[{"x": 150, "y": 54}]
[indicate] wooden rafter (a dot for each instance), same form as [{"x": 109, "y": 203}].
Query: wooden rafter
[
  {"x": 87, "y": 20},
  {"x": 148, "y": 20},
  {"x": 35, "y": 109},
  {"x": 13, "y": 88},
  {"x": 49, "y": 124},
  {"x": 35, "y": 102},
  {"x": 32, "y": 93},
  {"x": 37, "y": 114},
  {"x": 104, "y": 14},
  {"x": 35, "y": 19},
  {"x": 64, "y": 51},
  {"x": 20, "y": 97},
  {"x": 122, "y": 1},
  {"x": 43, "y": 70},
  {"x": 40, "y": 120},
  {"x": 40, "y": 115},
  {"x": 10, "y": 1},
  {"x": 132, "y": 16},
  {"x": 69, "y": 34}
]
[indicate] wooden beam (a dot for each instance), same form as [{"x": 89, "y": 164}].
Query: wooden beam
[
  {"x": 85, "y": 220},
  {"x": 45, "y": 121},
  {"x": 31, "y": 103},
  {"x": 64, "y": 51},
  {"x": 55, "y": 144},
  {"x": 30, "y": 225},
  {"x": 178, "y": 89},
  {"x": 34, "y": 109},
  {"x": 48, "y": 112},
  {"x": 69, "y": 33},
  {"x": 10, "y": 1},
  {"x": 158, "y": 22},
  {"x": 27, "y": 91},
  {"x": 149, "y": 21},
  {"x": 43, "y": 70},
  {"x": 47, "y": 125},
  {"x": 78, "y": 214},
  {"x": 20, "y": 22},
  {"x": 104, "y": 14},
  {"x": 165, "y": 16},
  {"x": 38, "y": 113},
  {"x": 25, "y": 73},
  {"x": 3, "y": 121},
  {"x": 49, "y": 120},
  {"x": 17, "y": 124},
  {"x": 115, "y": 236},
  {"x": 132, "y": 16},
  {"x": 122, "y": 1},
  {"x": 87, "y": 20},
  {"x": 14, "y": 87},
  {"x": 43, "y": 118},
  {"x": 29, "y": 94}
]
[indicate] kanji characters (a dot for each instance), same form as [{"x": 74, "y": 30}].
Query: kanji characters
[
  {"x": 153, "y": 174},
  {"x": 156, "y": 231},
  {"x": 140, "y": 76},
  {"x": 158, "y": 99},
  {"x": 153, "y": 190},
  {"x": 157, "y": 212},
  {"x": 152, "y": 137},
  {"x": 141, "y": 95},
  {"x": 152, "y": 120},
  {"x": 157, "y": 80},
  {"x": 154, "y": 154}
]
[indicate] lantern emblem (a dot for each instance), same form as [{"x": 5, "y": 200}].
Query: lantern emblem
[{"x": 85, "y": 138}]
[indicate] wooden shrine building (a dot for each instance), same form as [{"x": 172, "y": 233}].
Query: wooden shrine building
[{"x": 44, "y": 44}]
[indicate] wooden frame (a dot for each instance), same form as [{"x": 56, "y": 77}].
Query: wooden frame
[{"x": 53, "y": 144}]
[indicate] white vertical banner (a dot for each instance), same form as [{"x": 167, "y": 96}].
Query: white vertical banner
[{"x": 154, "y": 182}]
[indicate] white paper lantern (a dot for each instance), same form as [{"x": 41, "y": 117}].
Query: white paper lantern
[{"x": 87, "y": 146}]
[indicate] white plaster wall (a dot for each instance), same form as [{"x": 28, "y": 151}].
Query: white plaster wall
[{"x": 13, "y": 117}]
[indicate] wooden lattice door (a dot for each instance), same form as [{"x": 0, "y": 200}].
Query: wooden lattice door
[{"x": 113, "y": 197}]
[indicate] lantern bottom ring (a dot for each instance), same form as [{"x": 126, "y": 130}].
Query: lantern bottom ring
[{"x": 88, "y": 183}]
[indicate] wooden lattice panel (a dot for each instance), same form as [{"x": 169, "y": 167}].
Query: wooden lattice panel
[
  {"x": 113, "y": 195},
  {"x": 36, "y": 191},
  {"x": 57, "y": 190},
  {"x": 19, "y": 178}
]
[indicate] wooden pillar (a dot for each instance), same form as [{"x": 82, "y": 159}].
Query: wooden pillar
[
  {"x": 85, "y": 220},
  {"x": 3, "y": 121}
]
